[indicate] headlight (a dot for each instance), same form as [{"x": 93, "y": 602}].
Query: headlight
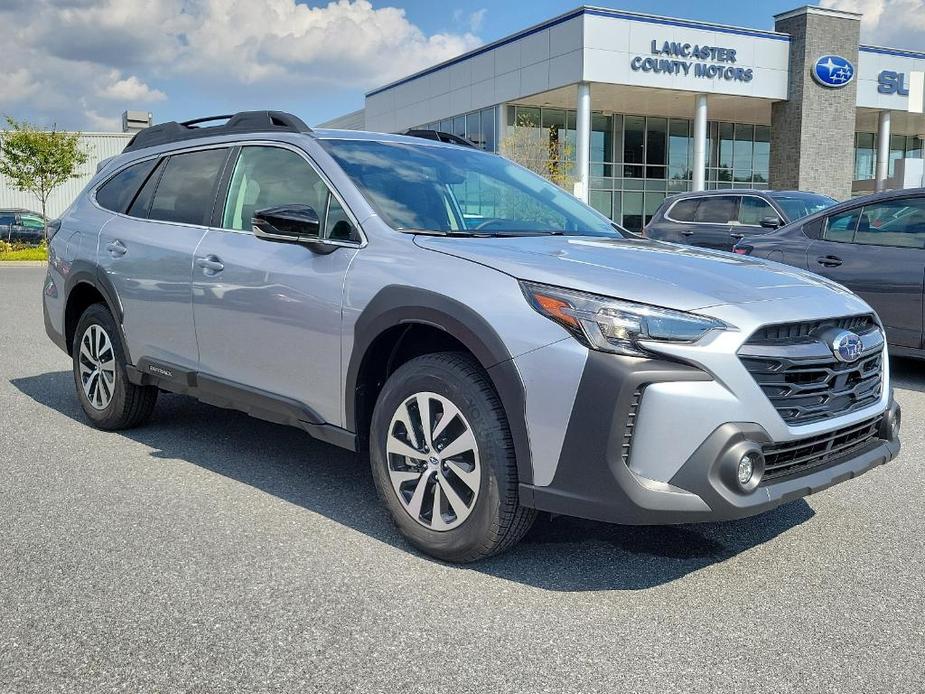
[{"x": 612, "y": 325}]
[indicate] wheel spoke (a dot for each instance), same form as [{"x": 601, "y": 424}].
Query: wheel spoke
[
  {"x": 398, "y": 447},
  {"x": 417, "y": 499},
  {"x": 424, "y": 412},
  {"x": 469, "y": 477},
  {"x": 462, "y": 443},
  {"x": 404, "y": 416},
  {"x": 399, "y": 477},
  {"x": 436, "y": 517},
  {"x": 449, "y": 414},
  {"x": 459, "y": 507}
]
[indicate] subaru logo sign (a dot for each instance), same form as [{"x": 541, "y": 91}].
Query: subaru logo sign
[
  {"x": 847, "y": 346},
  {"x": 833, "y": 71}
]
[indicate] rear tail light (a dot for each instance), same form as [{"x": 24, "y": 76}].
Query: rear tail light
[{"x": 52, "y": 228}]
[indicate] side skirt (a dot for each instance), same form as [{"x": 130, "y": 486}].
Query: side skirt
[{"x": 234, "y": 396}]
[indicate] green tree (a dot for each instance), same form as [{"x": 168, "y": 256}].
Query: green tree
[
  {"x": 541, "y": 151},
  {"x": 38, "y": 161}
]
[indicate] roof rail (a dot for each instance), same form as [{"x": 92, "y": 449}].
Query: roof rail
[
  {"x": 243, "y": 122},
  {"x": 440, "y": 136}
]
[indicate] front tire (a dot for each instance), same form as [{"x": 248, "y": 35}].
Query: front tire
[
  {"x": 109, "y": 400},
  {"x": 443, "y": 460}
]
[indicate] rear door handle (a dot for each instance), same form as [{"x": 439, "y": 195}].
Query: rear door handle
[
  {"x": 116, "y": 248},
  {"x": 736, "y": 235},
  {"x": 829, "y": 261},
  {"x": 687, "y": 232},
  {"x": 211, "y": 265}
]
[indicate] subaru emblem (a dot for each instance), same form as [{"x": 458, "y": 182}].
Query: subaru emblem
[
  {"x": 833, "y": 71},
  {"x": 847, "y": 346}
]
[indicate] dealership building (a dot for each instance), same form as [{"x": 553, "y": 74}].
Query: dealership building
[{"x": 646, "y": 106}]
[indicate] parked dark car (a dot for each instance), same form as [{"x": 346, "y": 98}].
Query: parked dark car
[
  {"x": 21, "y": 225},
  {"x": 873, "y": 245},
  {"x": 720, "y": 218}
]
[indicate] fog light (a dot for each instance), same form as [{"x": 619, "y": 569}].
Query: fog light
[{"x": 746, "y": 469}]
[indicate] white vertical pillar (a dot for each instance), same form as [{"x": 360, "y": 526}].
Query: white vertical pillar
[
  {"x": 583, "y": 139},
  {"x": 500, "y": 125},
  {"x": 700, "y": 143},
  {"x": 883, "y": 150}
]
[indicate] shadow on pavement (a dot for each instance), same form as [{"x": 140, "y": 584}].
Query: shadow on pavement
[
  {"x": 559, "y": 554},
  {"x": 908, "y": 373}
]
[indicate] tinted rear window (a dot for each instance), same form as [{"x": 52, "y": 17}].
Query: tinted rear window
[
  {"x": 720, "y": 209},
  {"x": 117, "y": 193},
  {"x": 797, "y": 206},
  {"x": 186, "y": 190},
  {"x": 684, "y": 210}
]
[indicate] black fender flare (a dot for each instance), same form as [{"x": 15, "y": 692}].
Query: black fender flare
[
  {"x": 85, "y": 272},
  {"x": 397, "y": 305}
]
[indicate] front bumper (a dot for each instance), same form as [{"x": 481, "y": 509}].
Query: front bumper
[{"x": 594, "y": 480}]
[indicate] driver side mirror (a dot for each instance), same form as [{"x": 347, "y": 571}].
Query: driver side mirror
[
  {"x": 770, "y": 222},
  {"x": 287, "y": 224}
]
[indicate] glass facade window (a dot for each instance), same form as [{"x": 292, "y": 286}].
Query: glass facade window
[
  {"x": 865, "y": 153},
  {"x": 477, "y": 126}
]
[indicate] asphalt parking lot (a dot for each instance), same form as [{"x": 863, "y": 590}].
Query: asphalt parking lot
[{"x": 212, "y": 552}]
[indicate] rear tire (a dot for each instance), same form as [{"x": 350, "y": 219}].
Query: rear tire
[
  {"x": 460, "y": 507},
  {"x": 109, "y": 400}
]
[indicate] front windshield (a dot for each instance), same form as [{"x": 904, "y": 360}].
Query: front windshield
[
  {"x": 797, "y": 206},
  {"x": 458, "y": 191}
]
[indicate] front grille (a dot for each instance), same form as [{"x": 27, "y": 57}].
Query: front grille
[
  {"x": 799, "y": 374},
  {"x": 803, "y": 455},
  {"x": 627, "y": 445},
  {"x": 790, "y": 333}
]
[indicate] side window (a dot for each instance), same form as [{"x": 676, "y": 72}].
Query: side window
[
  {"x": 752, "y": 210},
  {"x": 337, "y": 226},
  {"x": 117, "y": 193},
  {"x": 719, "y": 209},
  {"x": 142, "y": 202},
  {"x": 899, "y": 223},
  {"x": 7, "y": 219},
  {"x": 186, "y": 190},
  {"x": 268, "y": 177},
  {"x": 840, "y": 227},
  {"x": 31, "y": 221},
  {"x": 684, "y": 210}
]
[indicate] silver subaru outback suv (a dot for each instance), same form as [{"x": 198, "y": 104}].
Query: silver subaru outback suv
[{"x": 497, "y": 347}]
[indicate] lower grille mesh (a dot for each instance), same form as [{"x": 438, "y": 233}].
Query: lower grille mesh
[{"x": 804, "y": 455}]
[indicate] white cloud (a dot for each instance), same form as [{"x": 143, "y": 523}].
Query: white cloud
[
  {"x": 473, "y": 21},
  {"x": 92, "y": 55},
  {"x": 130, "y": 90},
  {"x": 893, "y": 23}
]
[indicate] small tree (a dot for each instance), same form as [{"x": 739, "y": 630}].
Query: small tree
[
  {"x": 540, "y": 150},
  {"x": 38, "y": 161}
]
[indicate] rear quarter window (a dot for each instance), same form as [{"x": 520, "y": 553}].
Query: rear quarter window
[
  {"x": 684, "y": 210},
  {"x": 117, "y": 193}
]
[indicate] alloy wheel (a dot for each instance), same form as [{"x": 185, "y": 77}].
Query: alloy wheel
[
  {"x": 97, "y": 363},
  {"x": 433, "y": 461}
]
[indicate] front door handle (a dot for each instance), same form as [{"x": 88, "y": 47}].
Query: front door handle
[
  {"x": 687, "y": 232},
  {"x": 116, "y": 248},
  {"x": 737, "y": 236},
  {"x": 829, "y": 261},
  {"x": 211, "y": 265}
]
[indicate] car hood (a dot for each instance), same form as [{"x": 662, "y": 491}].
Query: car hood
[{"x": 651, "y": 272}]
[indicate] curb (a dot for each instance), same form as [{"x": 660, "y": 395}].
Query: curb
[{"x": 23, "y": 263}]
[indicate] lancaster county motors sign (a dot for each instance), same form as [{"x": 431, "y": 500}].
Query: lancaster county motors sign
[{"x": 692, "y": 60}]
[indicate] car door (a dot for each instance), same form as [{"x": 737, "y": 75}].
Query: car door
[
  {"x": 753, "y": 210},
  {"x": 878, "y": 251},
  {"x": 147, "y": 254},
  {"x": 268, "y": 314},
  {"x": 713, "y": 222}
]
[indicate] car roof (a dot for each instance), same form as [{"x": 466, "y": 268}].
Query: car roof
[{"x": 859, "y": 201}]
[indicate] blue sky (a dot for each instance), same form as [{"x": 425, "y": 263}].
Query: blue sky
[{"x": 80, "y": 63}]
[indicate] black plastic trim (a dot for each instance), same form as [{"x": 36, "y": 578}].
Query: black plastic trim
[
  {"x": 591, "y": 479},
  {"x": 86, "y": 272},
  {"x": 243, "y": 122},
  {"x": 397, "y": 305},
  {"x": 235, "y": 396}
]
